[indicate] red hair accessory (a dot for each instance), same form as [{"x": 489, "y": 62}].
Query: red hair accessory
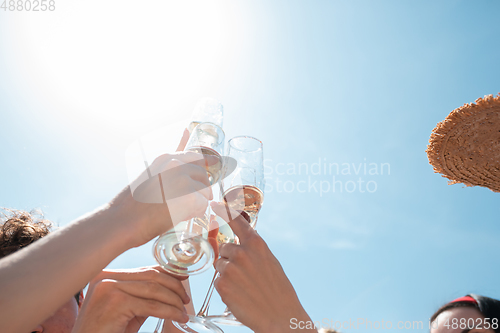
[{"x": 466, "y": 299}]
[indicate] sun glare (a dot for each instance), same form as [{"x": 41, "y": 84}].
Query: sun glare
[{"x": 124, "y": 61}]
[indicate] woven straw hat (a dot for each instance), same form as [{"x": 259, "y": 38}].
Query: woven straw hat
[{"x": 465, "y": 147}]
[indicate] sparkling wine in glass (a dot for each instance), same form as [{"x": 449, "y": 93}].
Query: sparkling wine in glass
[{"x": 247, "y": 198}]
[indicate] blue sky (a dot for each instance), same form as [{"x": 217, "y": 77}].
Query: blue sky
[{"x": 334, "y": 81}]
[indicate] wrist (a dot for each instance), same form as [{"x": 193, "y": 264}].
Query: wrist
[
  {"x": 299, "y": 321},
  {"x": 121, "y": 214},
  {"x": 137, "y": 221}
]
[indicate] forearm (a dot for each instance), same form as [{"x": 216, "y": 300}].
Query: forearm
[
  {"x": 38, "y": 279},
  {"x": 292, "y": 324}
]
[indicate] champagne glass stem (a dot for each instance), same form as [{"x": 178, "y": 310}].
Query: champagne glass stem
[
  {"x": 206, "y": 303},
  {"x": 189, "y": 226},
  {"x": 158, "y": 326}
]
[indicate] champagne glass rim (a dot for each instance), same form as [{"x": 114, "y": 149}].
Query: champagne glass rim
[
  {"x": 219, "y": 128},
  {"x": 257, "y": 141}
]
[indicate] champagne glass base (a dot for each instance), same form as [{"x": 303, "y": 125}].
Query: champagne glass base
[
  {"x": 198, "y": 325},
  {"x": 183, "y": 253},
  {"x": 225, "y": 319}
]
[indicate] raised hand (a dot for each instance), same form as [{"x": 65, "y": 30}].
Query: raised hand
[
  {"x": 174, "y": 188},
  {"x": 252, "y": 282},
  {"x": 119, "y": 301}
]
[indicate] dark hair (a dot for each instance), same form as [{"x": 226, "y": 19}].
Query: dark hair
[
  {"x": 489, "y": 307},
  {"x": 19, "y": 229}
]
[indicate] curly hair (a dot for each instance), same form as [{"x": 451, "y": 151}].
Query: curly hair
[{"x": 19, "y": 229}]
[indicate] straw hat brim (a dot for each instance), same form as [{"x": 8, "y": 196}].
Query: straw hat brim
[{"x": 465, "y": 147}]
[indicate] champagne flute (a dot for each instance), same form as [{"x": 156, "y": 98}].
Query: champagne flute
[
  {"x": 242, "y": 191},
  {"x": 206, "y": 110},
  {"x": 188, "y": 252},
  {"x": 245, "y": 192}
]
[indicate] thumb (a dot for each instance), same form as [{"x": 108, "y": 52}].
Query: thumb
[{"x": 184, "y": 140}]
